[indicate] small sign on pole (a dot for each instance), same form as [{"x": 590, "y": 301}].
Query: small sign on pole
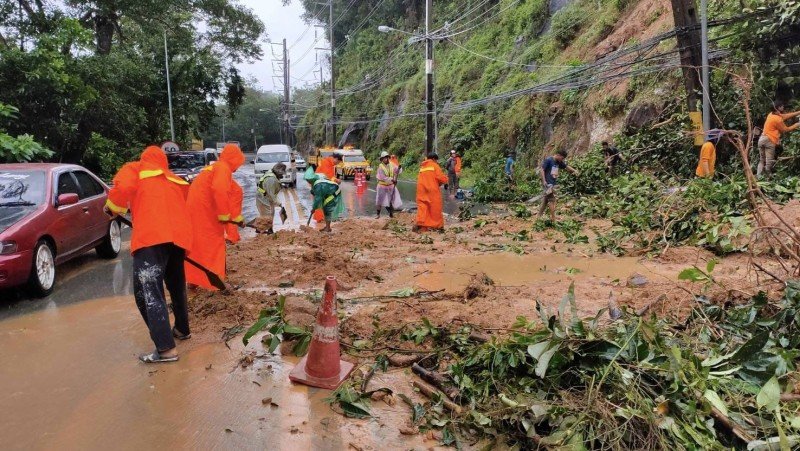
[{"x": 170, "y": 146}]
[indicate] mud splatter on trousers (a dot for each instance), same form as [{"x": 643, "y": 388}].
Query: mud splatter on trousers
[{"x": 153, "y": 267}]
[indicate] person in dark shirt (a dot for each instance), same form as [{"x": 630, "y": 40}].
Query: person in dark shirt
[
  {"x": 611, "y": 155},
  {"x": 551, "y": 166}
]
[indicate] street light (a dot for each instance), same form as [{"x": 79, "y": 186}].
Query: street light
[{"x": 429, "y": 132}]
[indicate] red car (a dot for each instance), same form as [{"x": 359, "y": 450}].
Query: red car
[{"x": 50, "y": 213}]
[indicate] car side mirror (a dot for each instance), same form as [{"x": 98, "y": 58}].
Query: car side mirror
[{"x": 67, "y": 199}]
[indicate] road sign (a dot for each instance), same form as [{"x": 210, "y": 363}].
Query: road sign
[{"x": 170, "y": 146}]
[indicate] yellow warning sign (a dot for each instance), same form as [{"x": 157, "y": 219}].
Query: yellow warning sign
[{"x": 697, "y": 127}]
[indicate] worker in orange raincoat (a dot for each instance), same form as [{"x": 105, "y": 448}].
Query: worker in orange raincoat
[
  {"x": 161, "y": 236},
  {"x": 429, "y": 196},
  {"x": 231, "y": 229},
  {"x": 327, "y": 167},
  {"x": 211, "y": 208}
]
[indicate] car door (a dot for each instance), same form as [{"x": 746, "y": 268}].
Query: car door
[
  {"x": 68, "y": 226},
  {"x": 93, "y": 199}
]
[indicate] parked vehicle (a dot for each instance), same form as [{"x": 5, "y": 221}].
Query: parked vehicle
[
  {"x": 270, "y": 155},
  {"x": 187, "y": 165},
  {"x": 50, "y": 213}
]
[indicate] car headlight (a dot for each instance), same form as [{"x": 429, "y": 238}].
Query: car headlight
[{"x": 8, "y": 247}]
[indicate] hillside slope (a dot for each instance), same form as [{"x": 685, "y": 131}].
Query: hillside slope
[{"x": 510, "y": 48}]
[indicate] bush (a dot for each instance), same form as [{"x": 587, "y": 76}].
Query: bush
[{"x": 566, "y": 24}]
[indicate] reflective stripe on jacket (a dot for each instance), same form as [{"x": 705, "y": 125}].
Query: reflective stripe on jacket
[{"x": 157, "y": 200}]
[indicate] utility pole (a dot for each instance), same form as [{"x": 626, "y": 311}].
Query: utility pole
[
  {"x": 333, "y": 75},
  {"x": 169, "y": 88},
  {"x": 429, "y": 132},
  {"x": 706, "y": 83},
  {"x": 286, "y": 94},
  {"x": 685, "y": 16}
]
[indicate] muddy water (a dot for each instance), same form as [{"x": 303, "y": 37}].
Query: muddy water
[
  {"x": 509, "y": 269},
  {"x": 70, "y": 380}
]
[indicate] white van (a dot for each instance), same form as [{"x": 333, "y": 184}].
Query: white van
[{"x": 270, "y": 155}]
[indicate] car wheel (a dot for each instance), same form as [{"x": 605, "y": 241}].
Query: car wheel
[
  {"x": 43, "y": 270},
  {"x": 112, "y": 243}
]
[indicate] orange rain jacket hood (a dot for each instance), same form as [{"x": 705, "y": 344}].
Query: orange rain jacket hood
[
  {"x": 156, "y": 198},
  {"x": 232, "y": 156},
  {"x": 212, "y": 203}
]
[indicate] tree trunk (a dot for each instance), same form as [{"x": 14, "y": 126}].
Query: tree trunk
[{"x": 104, "y": 26}]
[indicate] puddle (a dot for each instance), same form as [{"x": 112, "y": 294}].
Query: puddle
[
  {"x": 71, "y": 381},
  {"x": 508, "y": 269}
]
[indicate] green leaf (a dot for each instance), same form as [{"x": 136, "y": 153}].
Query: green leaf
[
  {"x": 770, "y": 395},
  {"x": 716, "y": 401},
  {"x": 255, "y": 328},
  {"x": 537, "y": 349},
  {"x": 403, "y": 293},
  {"x": 301, "y": 347},
  {"x": 751, "y": 348},
  {"x": 693, "y": 275},
  {"x": 274, "y": 343},
  {"x": 544, "y": 361},
  {"x": 294, "y": 330},
  {"x": 710, "y": 265}
]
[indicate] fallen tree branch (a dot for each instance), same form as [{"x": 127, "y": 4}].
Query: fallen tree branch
[
  {"x": 432, "y": 393},
  {"x": 437, "y": 380}
]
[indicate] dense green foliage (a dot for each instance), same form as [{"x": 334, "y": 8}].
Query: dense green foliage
[
  {"x": 88, "y": 77},
  {"x": 18, "y": 148}
]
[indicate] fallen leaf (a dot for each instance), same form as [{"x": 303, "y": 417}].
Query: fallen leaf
[{"x": 266, "y": 401}]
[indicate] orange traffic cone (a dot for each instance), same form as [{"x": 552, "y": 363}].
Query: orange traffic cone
[{"x": 321, "y": 367}]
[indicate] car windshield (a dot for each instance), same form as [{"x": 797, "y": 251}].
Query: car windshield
[
  {"x": 277, "y": 157},
  {"x": 354, "y": 158},
  {"x": 21, "y": 188},
  {"x": 185, "y": 161}
]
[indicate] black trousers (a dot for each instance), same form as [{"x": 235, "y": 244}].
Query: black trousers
[{"x": 153, "y": 267}]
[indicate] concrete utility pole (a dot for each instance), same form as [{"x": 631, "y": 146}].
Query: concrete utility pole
[
  {"x": 685, "y": 16},
  {"x": 429, "y": 132},
  {"x": 706, "y": 83},
  {"x": 333, "y": 75},
  {"x": 286, "y": 94},
  {"x": 169, "y": 88}
]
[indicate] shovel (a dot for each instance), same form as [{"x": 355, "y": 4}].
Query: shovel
[{"x": 213, "y": 278}]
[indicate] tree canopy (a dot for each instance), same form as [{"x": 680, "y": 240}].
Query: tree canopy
[{"x": 88, "y": 77}]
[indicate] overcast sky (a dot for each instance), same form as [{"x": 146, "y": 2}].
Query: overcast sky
[{"x": 285, "y": 22}]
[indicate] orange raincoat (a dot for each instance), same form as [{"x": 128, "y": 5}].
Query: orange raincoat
[
  {"x": 429, "y": 195},
  {"x": 157, "y": 200},
  {"x": 327, "y": 167},
  {"x": 237, "y": 196},
  {"x": 211, "y": 206}
]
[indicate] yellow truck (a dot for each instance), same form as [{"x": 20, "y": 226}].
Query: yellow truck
[
  {"x": 318, "y": 154},
  {"x": 353, "y": 160}
]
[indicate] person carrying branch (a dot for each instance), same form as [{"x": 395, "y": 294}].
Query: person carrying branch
[
  {"x": 770, "y": 141},
  {"x": 162, "y": 234}
]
